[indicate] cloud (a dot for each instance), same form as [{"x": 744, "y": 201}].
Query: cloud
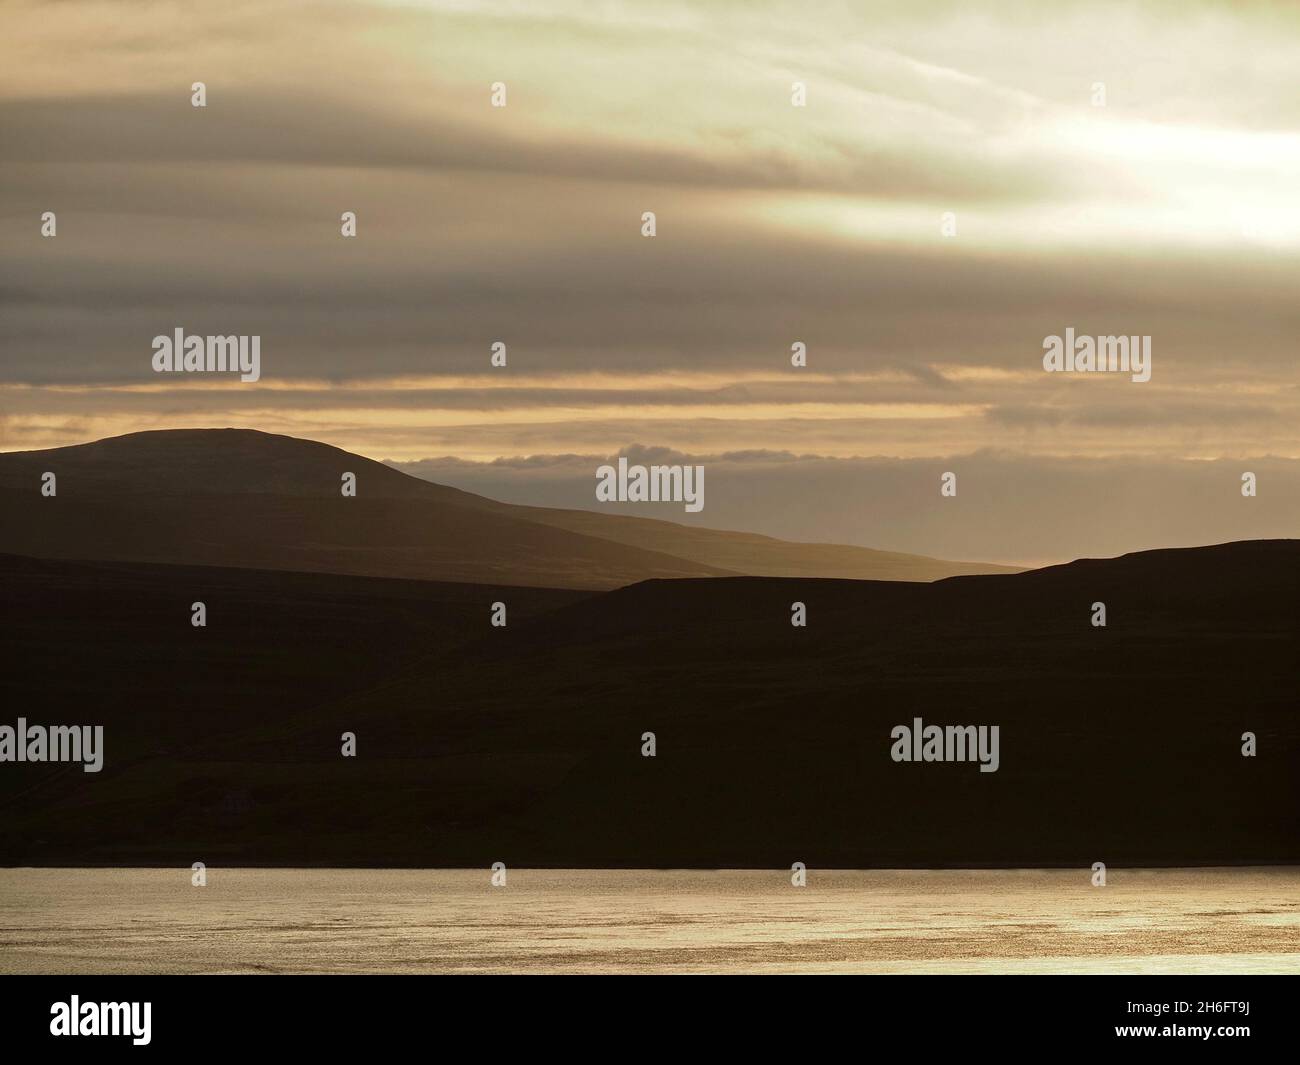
[{"x": 1168, "y": 212}]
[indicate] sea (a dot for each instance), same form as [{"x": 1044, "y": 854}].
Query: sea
[{"x": 1223, "y": 920}]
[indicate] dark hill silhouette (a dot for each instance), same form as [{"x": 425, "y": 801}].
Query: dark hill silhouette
[
  {"x": 234, "y": 497},
  {"x": 522, "y": 744}
]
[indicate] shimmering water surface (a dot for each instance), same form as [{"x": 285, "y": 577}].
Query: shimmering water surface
[{"x": 343, "y": 920}]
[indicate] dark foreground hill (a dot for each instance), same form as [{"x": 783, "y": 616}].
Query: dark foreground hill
[
  {"x": 235, "y": 497},
  {"x": 523, "y": 744}
]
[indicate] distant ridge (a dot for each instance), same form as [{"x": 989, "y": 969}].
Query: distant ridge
[{"x": 239, "y": 497}]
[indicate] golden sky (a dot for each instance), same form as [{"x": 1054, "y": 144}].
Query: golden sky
[{"x": 1170, "y": 211}]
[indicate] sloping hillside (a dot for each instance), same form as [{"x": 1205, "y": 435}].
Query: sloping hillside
[
  {"x": 478, "y": 744},
  {"x": 227, "y": 497}
]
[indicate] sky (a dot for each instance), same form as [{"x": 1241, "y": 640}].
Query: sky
[{"x": 1112, "y": 168}]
